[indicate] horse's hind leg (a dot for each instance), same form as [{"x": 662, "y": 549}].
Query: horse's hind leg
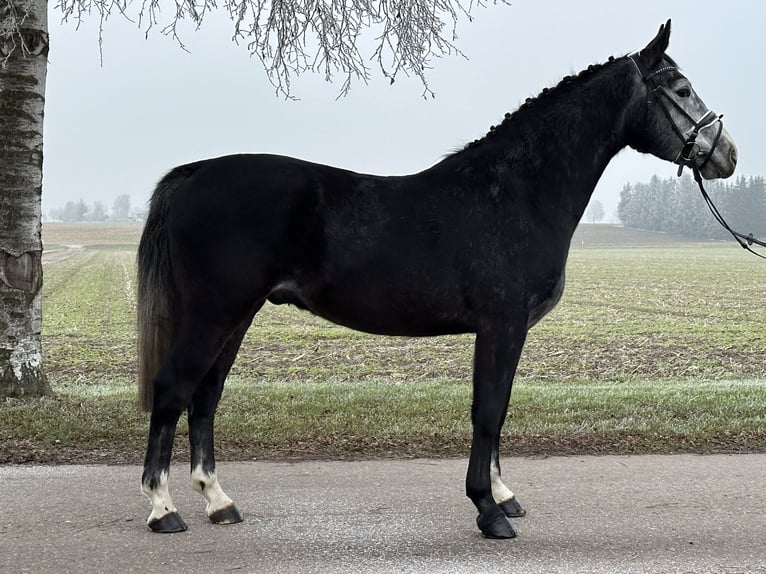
[
  {"x": 195, "y": 349},
  {"x": 220, "y": 508}
]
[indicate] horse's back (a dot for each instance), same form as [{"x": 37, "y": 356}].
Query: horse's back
[
  {"x": 268, "y": 204},
  {"x": 375, "y": 253}
]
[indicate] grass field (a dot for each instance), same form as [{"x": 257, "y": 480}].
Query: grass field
[{"x": 657, "y": 346}]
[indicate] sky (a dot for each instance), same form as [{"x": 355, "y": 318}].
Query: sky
[{"x": 115, "y": 122}]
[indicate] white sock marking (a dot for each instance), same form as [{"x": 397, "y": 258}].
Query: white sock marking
[
  {"x": 500, "y": 492},
  {"x": 160, "y": 499},
  {"x": 208, "y": 487}
]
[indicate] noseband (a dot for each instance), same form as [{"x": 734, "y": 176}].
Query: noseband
[{"x": 691, "y": 155}]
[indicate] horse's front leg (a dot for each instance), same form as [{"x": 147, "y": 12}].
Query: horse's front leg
[
  {"x": 504, "y": 496},
  {"x": 498, "y": 348}
]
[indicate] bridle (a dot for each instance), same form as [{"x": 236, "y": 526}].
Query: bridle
[{"x": 691, "y": 154}]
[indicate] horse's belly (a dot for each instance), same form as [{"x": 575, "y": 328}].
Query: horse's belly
[{"x": 403, "y": 312}]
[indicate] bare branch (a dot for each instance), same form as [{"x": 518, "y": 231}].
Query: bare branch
[
  {"x": 292, "y": 37},
  {"x": 11, "y": 26}
]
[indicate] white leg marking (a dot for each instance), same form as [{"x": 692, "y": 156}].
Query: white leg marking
[
  {"x": 162, "y": 504},
  {"x": 500, "y": 492},
  {"x": 207, "y": 486}
]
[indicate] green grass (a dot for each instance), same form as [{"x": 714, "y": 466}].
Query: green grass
[
  {"x": 652, "y": 349},
  {"x": 381, "y": 418},
  {"x": 89, "y": 315}
]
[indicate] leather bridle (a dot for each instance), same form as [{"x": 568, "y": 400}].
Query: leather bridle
[{"x": 691, "y": 154}]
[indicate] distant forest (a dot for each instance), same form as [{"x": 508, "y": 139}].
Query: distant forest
[
  {"x": 75, "y": 211},
  {"x": 675, "y": 205}
]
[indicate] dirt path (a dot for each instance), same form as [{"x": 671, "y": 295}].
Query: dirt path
[{"x": 62, "y": 253}]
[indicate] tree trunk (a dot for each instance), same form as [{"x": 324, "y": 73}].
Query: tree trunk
[{"x": 23, "y": 67}]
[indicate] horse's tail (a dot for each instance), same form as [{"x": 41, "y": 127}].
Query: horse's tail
[{"x": 157, "y": 311}]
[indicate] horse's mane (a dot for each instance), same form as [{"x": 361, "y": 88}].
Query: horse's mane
[
  {"x": 548, "y": 96},
  {"x": 531, "y": 105}
]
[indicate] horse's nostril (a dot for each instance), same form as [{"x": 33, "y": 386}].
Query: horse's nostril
[{"x": 733, "y": 155}]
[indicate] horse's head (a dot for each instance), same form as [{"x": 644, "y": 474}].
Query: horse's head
[{"x": 676, "y": 125}]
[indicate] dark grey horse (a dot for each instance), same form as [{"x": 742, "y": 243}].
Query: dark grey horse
[{"x": 475, "y": 244}]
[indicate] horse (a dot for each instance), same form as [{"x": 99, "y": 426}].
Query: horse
[{"x": 475, "y": 244}]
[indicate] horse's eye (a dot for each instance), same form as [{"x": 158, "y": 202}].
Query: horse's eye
[{"x": 684, "y": 92}]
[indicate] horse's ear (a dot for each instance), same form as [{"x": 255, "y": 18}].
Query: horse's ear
[{"x": 652, "y": 54}]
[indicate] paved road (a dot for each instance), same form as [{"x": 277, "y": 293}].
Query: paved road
[{"x": 664, "y": 514}]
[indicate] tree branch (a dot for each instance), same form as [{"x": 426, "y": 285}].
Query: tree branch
[{"x": 292, "y": 37}]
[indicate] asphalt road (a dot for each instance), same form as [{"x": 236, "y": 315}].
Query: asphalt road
[{"x": 663, "y": 514}]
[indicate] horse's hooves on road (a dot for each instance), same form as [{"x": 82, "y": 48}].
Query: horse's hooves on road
[
  {"x": 228, "y": 515},
  {"x": 495, "y": 526},
  {"x": 171, "y": 522},
  {"x": 512, "y": 508}
]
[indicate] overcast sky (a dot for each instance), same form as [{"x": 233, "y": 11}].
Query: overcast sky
[{"x": 118, "y": 127}]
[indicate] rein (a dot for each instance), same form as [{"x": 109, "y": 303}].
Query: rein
[
  {"x": 691, "y": 151},
  {"x": 745, "y": 241}
]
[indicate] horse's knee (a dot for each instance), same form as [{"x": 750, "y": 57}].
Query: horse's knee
[{"x": 171, "y": 395}]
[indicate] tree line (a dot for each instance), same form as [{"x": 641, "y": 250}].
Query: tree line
[
  {"x": 74, "y": 211},
  {"x": 675, "y": 205}
]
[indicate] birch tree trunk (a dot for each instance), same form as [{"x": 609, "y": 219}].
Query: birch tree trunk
[{"x": 23, "y": 66}]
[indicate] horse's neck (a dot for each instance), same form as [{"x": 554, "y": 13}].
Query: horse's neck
[{"x": 561, "y": 158}]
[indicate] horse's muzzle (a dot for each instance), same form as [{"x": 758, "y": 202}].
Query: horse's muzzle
[{"x": 723, "y": 160}]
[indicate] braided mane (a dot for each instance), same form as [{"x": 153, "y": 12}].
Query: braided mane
[{"x": 547, "y": 94}]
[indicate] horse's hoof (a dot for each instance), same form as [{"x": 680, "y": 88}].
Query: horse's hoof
[
  {"x": 495, "y": 525},
  {"x": 171, "y": 522},
  {"x": 512, "y": 508},
  {"x": 227, "y": 515}
]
